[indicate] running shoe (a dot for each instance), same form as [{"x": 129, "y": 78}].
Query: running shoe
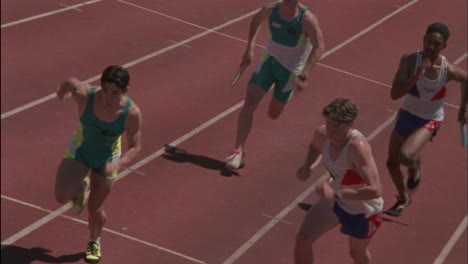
[
  {"x": 236, "y": 160},
  {"x": 399, "y": 205},
  {"x": 93, "y": 252},
  {"x": 80, "y": 201},
  {"x": 414, "y": 176}
]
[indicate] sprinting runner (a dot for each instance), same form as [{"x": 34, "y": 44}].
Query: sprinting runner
[
  {"x": 93, "y": 156},
  {"x": 420, "y": 80},
  {"x": 296, "y": 45},
  {"x": 351, "y": 197}
]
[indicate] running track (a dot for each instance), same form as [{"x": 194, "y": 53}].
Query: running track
[{"x": 181, "y": 57}]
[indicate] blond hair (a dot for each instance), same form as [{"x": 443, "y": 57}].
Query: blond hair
[{"x": 343, "y": 110}]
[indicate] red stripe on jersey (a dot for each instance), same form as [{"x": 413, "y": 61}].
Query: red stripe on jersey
[
  {"x": 352, "y": 178},
  {"x": 439, "y": 95}
]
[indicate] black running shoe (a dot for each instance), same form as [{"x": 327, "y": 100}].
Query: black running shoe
[
  {"x": 414, "y": 176},
  {"x": 399, "y": 205}
]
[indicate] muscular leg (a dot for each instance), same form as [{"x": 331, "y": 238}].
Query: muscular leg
[
  {"x": 276, "y": 108},
  {"x": 319, "y": 219},
  {"x": 359, "y": 251},
  {"x": 393, "y": 162},
  {"x": 100, "y": 190},
  {"x": 70, "y": 174},
  {"x": 244, "y": 123},
  {"x": 412, "y": 146}
]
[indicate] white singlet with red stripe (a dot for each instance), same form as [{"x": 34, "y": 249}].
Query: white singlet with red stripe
[
  {"x": 342, "y": 175},
  {"x": 426, "y": 97}
]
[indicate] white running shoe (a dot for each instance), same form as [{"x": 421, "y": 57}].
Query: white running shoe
[{"x": 236, "y": 160}]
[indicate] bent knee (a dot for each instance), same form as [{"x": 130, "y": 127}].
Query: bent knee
[
  {"x": 407, "y": 156},
  {"x": 274, "y": 114},
  {"x": 304, "y": 239},
  {"x": 61, "y": 199},
  {"x": 358, "y": 255}
]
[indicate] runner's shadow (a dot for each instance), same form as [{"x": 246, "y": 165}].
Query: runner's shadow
[
  {"x": 385, "y": 219},
  {"x": 18, "y": 255},
  {"x": 181, "y": 156},
  {"x": 306, "y": 207}
]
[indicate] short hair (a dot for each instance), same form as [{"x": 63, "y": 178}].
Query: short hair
[
  {"x": 343, "y": 110},
  {"x": 439, "y": 28},
  {"x": 116, "y": 74}
]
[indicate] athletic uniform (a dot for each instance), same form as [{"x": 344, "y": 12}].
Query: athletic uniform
[
  {"x": 423, "y": 106},
  {"x": 95, "y": 142},
  {"x": 358, "y": 218},
  {"x": 284, "y": 55}
]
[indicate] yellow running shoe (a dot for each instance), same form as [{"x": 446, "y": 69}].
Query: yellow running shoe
[
  {"x": 93, "y": 252},
  {"x": 80, "y": 201}
]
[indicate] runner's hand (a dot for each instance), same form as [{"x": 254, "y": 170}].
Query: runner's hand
[
  {"x": 63, "y": 91},
  {"x": 325, "y": 190},
  {"x": 111, "y": 167},
  {"x": 425, "y": 64},
  {"x": 301, "y": 82}
]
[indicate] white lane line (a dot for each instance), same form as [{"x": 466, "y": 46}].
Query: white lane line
[
  {"x": 122, "y": 174},
  {"x": 373, "y": 26},
  {"x": 48, "y": 13},
  {"x": 452, "y": 241},
  {"x": 180, "y": 20},
  {"x": 461, "y": 58},
  {"x": 77, "y": 9},
  {"x": 107, "y": 230},
  {"x": 173, "y": 41},
  {"x": 277, "y": 219},
  {"x": 132, "y": 63},
  {"x": 135, "y": 171},
  {"x": 354, "y": 75},
  {"x": 260, "y": 233}
]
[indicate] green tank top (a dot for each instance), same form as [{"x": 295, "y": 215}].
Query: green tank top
[
  {"x": 101, "y": 138},
  {"x": 287, "y": 33}
]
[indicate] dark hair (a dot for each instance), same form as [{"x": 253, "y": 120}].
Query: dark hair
[
  {"x": 439, "y": 28},
  {"x": 343, "y": 110},
  {"x": 117, "y": 75}
]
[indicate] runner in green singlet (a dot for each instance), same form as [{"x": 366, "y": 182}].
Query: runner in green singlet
[
  {"x": 93, "y": 156},
  {"x": 296, "y": 45}
]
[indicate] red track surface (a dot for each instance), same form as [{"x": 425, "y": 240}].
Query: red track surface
[{"x": 186, "y": 205}]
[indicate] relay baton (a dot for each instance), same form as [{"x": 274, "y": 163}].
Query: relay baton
[{"x": 239, "y": 73}]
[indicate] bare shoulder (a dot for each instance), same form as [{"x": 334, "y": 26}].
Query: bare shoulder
[
  {"x": 309, "y": 16},
  {"x": 134, "y": 117},
  {"x": 360, "y": 147},
  {"x": 408, "y": 58},
  {"x": 77, "y": 87},
  {"x": 407, "y": 65},
  {"x": 309, "y": 19}
]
